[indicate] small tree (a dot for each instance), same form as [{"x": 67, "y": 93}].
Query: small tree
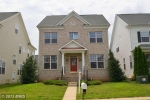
[
  {"x": 115, "y": 72},
  {"x": 140, "y": 62},
  {"x": 135, "y": 62},
  {"x": 29, "y": 74},
  {"x": 145, "y": 65}
]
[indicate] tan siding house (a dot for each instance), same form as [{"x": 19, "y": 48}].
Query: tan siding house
[
  {"x": 15, "y": 46},
  {"x": 72, "y": 43}
]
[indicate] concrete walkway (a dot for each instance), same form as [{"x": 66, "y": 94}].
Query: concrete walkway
[{"x": 71, "y": 91}]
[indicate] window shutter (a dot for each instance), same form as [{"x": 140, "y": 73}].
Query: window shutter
[{"x": 139, "y": 36}]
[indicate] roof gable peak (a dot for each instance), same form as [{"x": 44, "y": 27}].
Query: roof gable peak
[
  {"x": 73, "y": 13},
  {"x": 73, "y": 45}
]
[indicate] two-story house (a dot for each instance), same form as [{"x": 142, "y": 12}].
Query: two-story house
[
  {"x": 72, "y": 43},
  {"x": 15, "y": 46},
  {"x": 130, "y": 31}
]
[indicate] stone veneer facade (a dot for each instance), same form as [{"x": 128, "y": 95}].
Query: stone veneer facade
[{"x": 83, "y": 39}]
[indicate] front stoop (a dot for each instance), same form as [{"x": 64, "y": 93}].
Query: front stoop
[
  {"x": 72, "y": 84},
  {"x": 70, "y": 78},
  {"x": 70, "y": 93}
]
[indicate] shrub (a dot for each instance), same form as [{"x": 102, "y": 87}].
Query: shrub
[
  {"x": 96, "y": 82},
  {"x": 29, "y": 71},
  {"x": 55, "y": 82},
  {"x": 49, "y": 82},
  {"x": 115, "y": 72}
]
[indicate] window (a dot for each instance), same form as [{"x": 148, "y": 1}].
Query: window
[
  {"x": 143, "y": 36},
  {"x": 96, "y": 37},
  {"x": 16, "y": 28},
  {"x": 73, "y": 35},
  {"x": 50, "y": 62},
  {"x": 2, "y": 67},
  {"x": 131, "y": 65},
  {"x": 14, "y": 59},
  {"x": 117, "y": 49},
  {"x": 148, "y": 59},
  {"x": 20, "y": 69},
  {"x": 28, "y": 55},
  {"x": 50, "y": 38},
  {"x": 124, "y": 64},
  {"x": 13, "y": 76},
  {"x": 97, "y": 61},
  {"x": 33, "y": 53},
  {"x": 20, "y": 49},
  {"x": 24, "y": 49}
]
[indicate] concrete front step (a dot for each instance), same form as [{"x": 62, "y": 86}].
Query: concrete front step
[
  {"x": 72, "y": 84},
  {"x": 70, "y": 79}
]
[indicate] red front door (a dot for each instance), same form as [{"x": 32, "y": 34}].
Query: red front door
[{"x": 73, "y": 64}]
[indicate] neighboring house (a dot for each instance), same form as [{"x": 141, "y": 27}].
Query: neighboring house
[
  {"x": 72, "y": 43},
  {"x": 15, "y": 46},
  {"x": 130, "y": 31}
]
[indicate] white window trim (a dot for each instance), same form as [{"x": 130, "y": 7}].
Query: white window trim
[
  {"x": 73, "y": 36},
  {"x": 21, "y": 48},
  {"x": 143, "y": 36},
  {"x": 19, "y": 68},
  {"x": 13, "y": 76},
  {"x": 50, "y": 62},
  {"x": 15, "y": 58},
  {"x": 131, "y": 60},
  {"x": 2, "y": 66},
  {"x": 50, "y": 38},
  {"x": 16, "y": 27},
  {"x": 97, "y": 62},
  {"x": 96, "y": 37}
]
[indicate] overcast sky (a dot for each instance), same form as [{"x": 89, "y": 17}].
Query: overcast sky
[{"x": 34, "y": 11}]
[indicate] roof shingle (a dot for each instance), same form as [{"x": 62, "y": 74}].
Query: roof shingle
[
  {"x": 135, "y": 19},
  {"x": 5, "y": 15},
  {"x": 92, "y": 19}
]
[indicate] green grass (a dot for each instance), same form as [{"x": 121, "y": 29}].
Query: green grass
[
  {"x": 116, "y": 90},
  {"x": 37, "y": 91}
]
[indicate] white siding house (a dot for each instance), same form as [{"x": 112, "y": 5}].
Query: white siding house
[{"x": 129, "y": 31}]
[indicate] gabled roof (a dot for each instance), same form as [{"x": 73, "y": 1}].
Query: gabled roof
[
  {"x": 57, "y": 20},
  {"x": 5, "y": 15},
  {"x": 135, "y": 19},
  {"x": 73, "y": 45},
  {"x": 73, "y": 13}
]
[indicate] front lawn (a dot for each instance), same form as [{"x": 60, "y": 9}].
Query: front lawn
[
  {"x": 116, "y": 90},
  {"x": 37, "y": 91}
]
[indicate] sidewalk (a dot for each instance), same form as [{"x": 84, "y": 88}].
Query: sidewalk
[{"x": 71, "y": 91}]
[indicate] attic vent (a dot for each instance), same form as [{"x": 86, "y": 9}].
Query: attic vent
[{"x": 73, "y": 23}]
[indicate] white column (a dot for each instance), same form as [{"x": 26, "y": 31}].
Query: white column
[
  {"x": 63, "y": 62},
  {"x": 83, "y": 62}
]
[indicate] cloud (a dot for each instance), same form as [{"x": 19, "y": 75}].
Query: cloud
[{"x": 34, "y": 11}]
